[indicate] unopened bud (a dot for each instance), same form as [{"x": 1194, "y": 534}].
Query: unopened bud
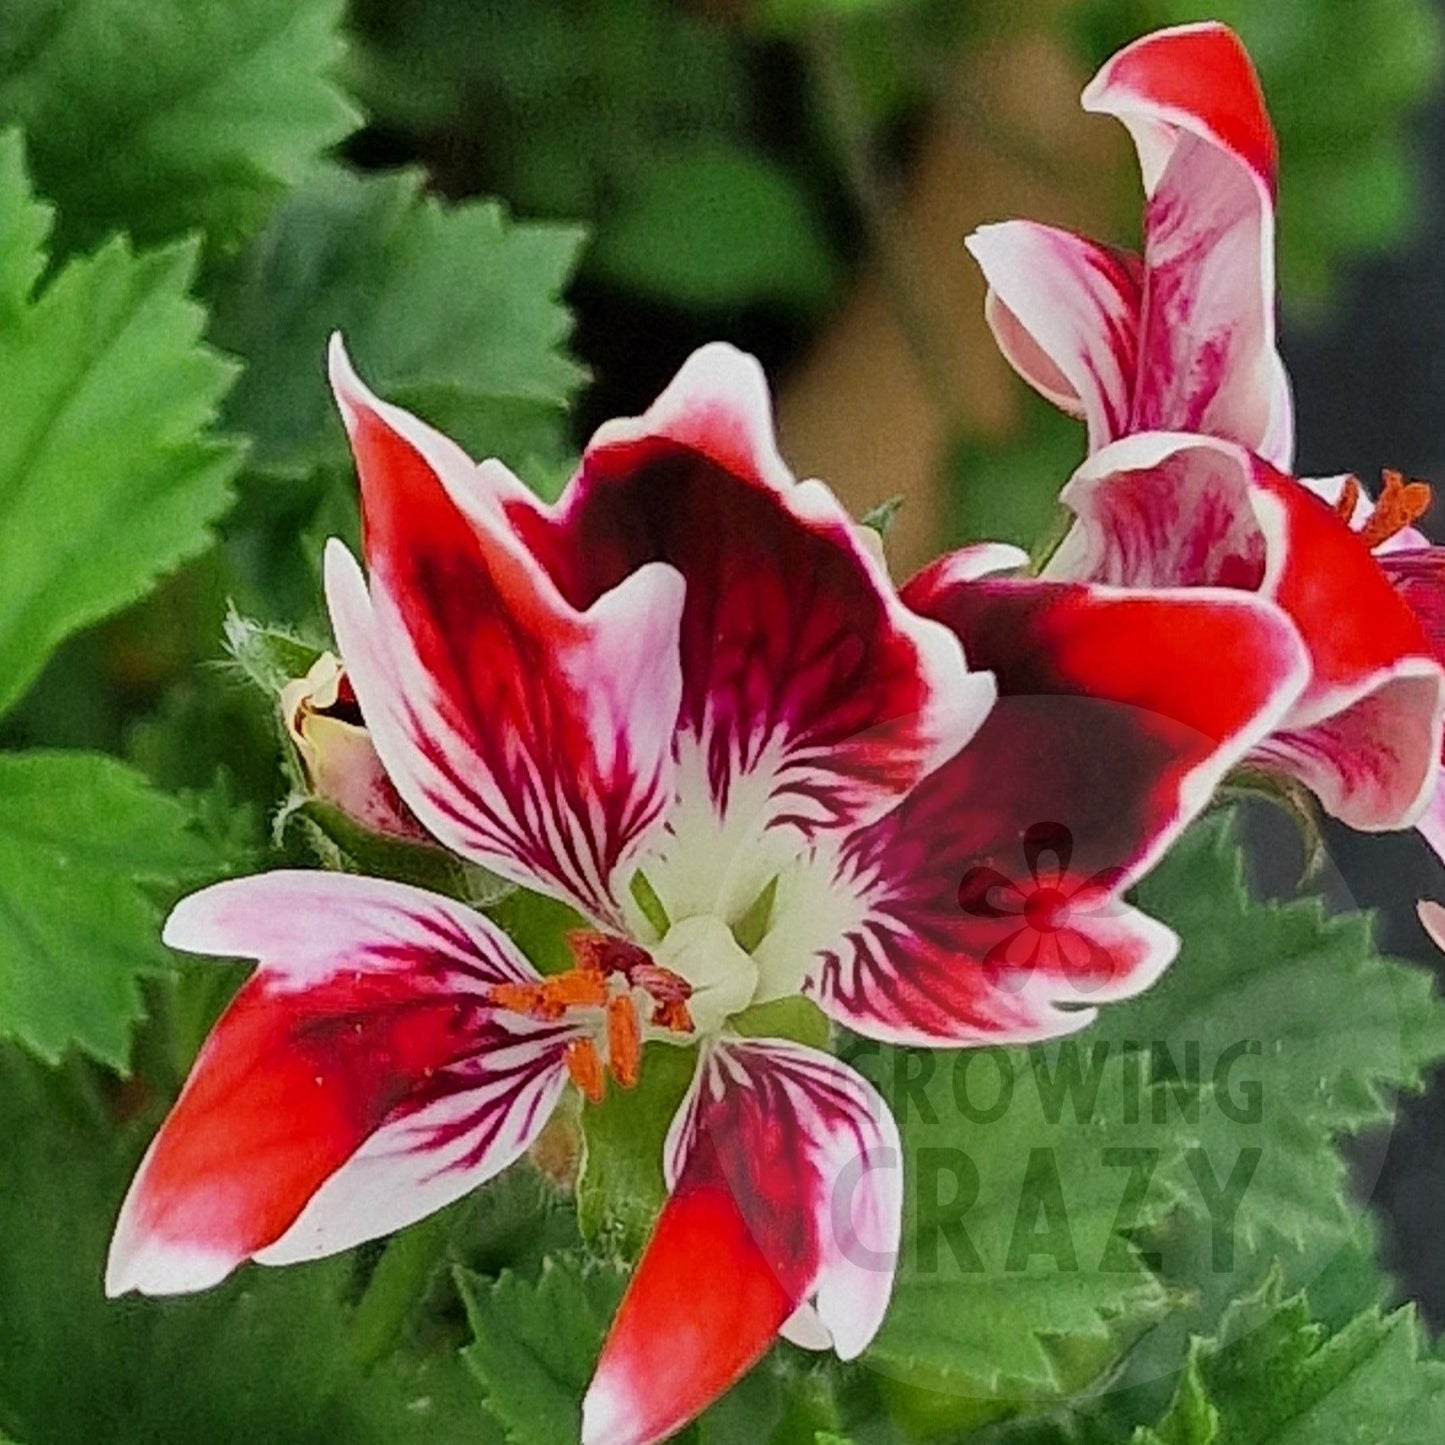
[{"x": 337, "y": 757}]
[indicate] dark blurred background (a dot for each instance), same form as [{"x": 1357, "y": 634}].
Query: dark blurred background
[{"x": 1369, "y": 384}]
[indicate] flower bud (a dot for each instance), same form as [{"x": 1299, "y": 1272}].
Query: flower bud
[{"x": 338, "y": 761}]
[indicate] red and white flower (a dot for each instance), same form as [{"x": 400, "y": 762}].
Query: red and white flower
[
  {"x": 1171, "y": 360},
  {"x": 1181, "y": 338},
  {"x": 688, "y": 701}
]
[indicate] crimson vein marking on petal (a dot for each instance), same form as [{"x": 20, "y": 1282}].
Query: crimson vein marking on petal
[{"x": 506, "y": 1083}]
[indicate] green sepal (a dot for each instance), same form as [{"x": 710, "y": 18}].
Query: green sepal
[
  {"x": 621, "y": 1188},
  {"x": 340, "y": 842}
]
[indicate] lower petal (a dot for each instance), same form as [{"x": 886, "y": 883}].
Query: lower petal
[
  {"x": 359, "y": 1079},
  {"x": 1375, "y": 762},
  {"x": 786, "y": 1178}
]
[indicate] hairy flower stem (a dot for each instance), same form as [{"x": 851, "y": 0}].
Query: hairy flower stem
[{"x": 401, "y": 1276}]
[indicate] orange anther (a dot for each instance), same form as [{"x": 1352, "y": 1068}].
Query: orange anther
[
  {"x": 578, "y": 988},
  {"x": 624, "y": 1040},
  {"x": 1349, "y": 499},
  {"x": 1400, "y": 504},
  {"x": 520, "y": 998},
  {"x": 584, "y": 1065}
]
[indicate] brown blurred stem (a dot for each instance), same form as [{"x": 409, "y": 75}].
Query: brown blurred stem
[{"x": 842, "y": 115}]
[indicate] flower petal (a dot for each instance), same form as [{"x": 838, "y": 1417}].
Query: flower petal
[
  {"x": 786, "y": 1179},
  {"x": 812, "y": 699},
  {"x": 337, "y": 757},
  {"x": 1432, "y": 920},
  {"x": 1163, "y": 508},
  {"x": 525, "y": 733},
  {"x": 359, "y": 1080},
  {"x": 1417, "y": 572},
  {"x": 1207, "y": 357},
  {"x": 1065, "y": 312},
  {"x": 1118, "y": 714},
  {"x": 1187, "y": 80}
]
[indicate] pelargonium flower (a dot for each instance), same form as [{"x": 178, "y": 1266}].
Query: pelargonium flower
[
  {"x": 1181, "y": 338},
  {"x": 1171, "y": 360},
  {"x": 688, "y": 701}
]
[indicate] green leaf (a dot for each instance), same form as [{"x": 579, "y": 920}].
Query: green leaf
[
  {"x": 534, "y": 1345},
  {"x": 714, "y": 226},
  {"x": 25, "y": 223},
  {"x": 109, "y": 475},
  {"x": 1244, "y": 1030},
  {"x": 161, "y": 117},
  {"x": 573, "y": 103},
  {"x": 1024, "y": 1173},
  {"x": 1273, "y": 1375},
  {"x": 85, "y": 848},
  {"x": 452, "y": 309},
  {"x": 264, "y": 1357},
  {"x": 1243, "y": 1038}
]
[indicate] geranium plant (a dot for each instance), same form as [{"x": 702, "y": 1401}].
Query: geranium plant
[{"x": 693, "y": 983}]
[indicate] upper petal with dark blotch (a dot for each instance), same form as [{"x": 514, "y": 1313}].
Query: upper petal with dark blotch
[
  {"x": 1118, "y": 714},
  {"x": 784, "y": 1215},
  {"x": 812, "y": 698},
  {"x": 530, "y": 734},
  {"x": 359, "y": 1080}
]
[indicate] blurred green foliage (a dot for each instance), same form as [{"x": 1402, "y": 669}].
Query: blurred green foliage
[
  {"x": 161, "y": 118},
  {"x": 634, "y": 115}
]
